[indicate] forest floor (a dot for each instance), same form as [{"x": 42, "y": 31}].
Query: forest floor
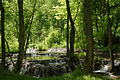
[{"x": 6, "y": 75}]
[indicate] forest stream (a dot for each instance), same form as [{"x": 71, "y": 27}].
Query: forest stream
[
  {"x": 53, "y": 62},
  {"x": 43, "y": 64}
]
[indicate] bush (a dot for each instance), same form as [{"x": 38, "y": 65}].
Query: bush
[
  {"x": 14, "y": 46},
  {"x": 116, "y": 48},
  {"x": 63, "y": 44},
  {"x": 42, "y": 46},
  {"x": 106, "y": 49},
  {"x": 54, "y": 38}
]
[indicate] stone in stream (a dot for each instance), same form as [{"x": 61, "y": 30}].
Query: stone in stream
[
  {"x": 37, "y": 69},
  {"x": 97, "y": 65},
  {"x": 25, "y": 68},
  {"x": 0, "y": 60},
  {"x": 41, "y": 70},
  {"x": 11, "y": 67},
  {"x": 31, "y": 50}
]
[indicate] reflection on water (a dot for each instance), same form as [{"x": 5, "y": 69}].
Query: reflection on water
[{"x": 45, "y": 57}]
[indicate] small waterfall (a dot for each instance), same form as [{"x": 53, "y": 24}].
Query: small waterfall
[
  {"x": 11, "y": 67},
  {"x": 43, "y": 68},
  {"x": 106, "y": 68}
]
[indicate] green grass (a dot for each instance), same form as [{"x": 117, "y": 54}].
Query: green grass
[{"x": 6, "y": 75}]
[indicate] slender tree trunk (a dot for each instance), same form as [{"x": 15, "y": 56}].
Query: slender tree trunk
[
  {"x": 67, "y": 35},
  {"x": 72, "y": 37},
  {"x": 2, "y": 32},
  {"x": 72, "y": 32},
  {"x": 28, "y": 36},
  {"x": 89, "y": 37},
  {"x": 110, "y": 36},
  {"x": 21, "y": 37}
]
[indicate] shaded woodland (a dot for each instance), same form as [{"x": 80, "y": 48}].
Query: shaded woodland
[{"x": 44, "y": 38}]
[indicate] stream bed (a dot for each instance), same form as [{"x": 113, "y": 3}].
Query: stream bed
[{"x": 42, "y": 64}]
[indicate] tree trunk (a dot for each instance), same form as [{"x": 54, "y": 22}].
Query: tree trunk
[
  {"x": 21, "y": 37},
  {"x": 72, "y": 37},
  {"x": 2, "y": 33},
  {"x": 72, "y": 32},
  {"x": 110, "y": 36},
  {"x": 67, "y": 35},
  {"x": 89, "y": 37}
]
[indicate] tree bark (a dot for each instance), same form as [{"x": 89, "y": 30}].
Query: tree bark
[
  {"x": 110, "y": 36},
  {"x": 89, "y": 37},
  {"x": 72, "y": 37},
  {"x": 67, "y": 35},
  {"x": 2, "y": 32},
  {"x": 72, "y": 32},
  {"x": 21, "y": 37}
]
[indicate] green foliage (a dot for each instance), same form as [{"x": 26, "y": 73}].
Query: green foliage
[
  {"x": 15, "y": 47},
  {"x": 0, "y": 47},
  {"x": 116, "y": 48},
  {"x": 82, "y": 54},
  {"x": 42, "y": 46},
  {"x": 106, "y": 48},
  {"x": 54, "y": 37},
  {"x": 49, "y": 23},
  {"x": 49, "y": 29}
]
